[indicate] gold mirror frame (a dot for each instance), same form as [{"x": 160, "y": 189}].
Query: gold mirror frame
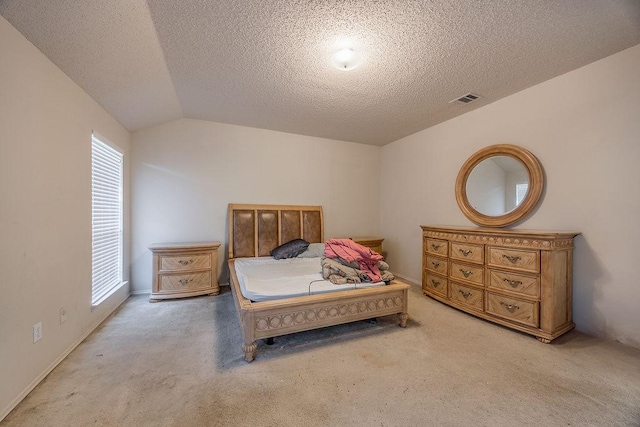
[{"x": 536, "y": 183}]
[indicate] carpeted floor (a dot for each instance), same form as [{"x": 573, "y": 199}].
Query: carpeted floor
[{"x": 179, "y": 363}]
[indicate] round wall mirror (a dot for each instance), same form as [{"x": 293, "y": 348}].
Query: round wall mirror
[{"x": 499, "y": 185}]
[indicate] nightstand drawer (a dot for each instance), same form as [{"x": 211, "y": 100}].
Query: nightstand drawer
[
  {"x": 185, "y": 282},
  {"x": 185, "y": 262}
]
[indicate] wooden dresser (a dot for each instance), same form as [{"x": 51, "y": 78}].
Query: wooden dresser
[
  {"x": 517, "y": 278},
  {"x": 184, "y": 270}
]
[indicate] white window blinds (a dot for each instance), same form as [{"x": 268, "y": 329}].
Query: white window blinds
[
  {"x": 521, "y": 192},
  {"x": 106, "y": 219}
]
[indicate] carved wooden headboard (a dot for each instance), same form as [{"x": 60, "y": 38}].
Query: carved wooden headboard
[{"x": 254, "y": 230}]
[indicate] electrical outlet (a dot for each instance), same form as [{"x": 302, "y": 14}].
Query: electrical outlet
[
  {"x": 37, "y": 332},
  {"x": 63, "y": 315}
]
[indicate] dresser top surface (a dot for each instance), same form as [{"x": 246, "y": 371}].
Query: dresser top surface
[
  {"x": 546, "y": 234},
  {"x": 184, "y": 245}
]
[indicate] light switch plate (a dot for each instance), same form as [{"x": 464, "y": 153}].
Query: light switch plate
[{"x": 37, "y": 332}]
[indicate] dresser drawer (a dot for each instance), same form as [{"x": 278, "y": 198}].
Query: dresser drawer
[
  {"x": 185, "y": 262},
  {"x": 467, "y": 295},
  {"x": 521, "y": 260},
  {"x": 435, "y": 283},
  {"x": 435, "y": 246},
  {"x": 517, "y": 310},
  {"x": 526, "y": 285},
  {"x": 467, "y": 252},
  {"x": 184, "y": 282},
  {"x": 467, "y": 272},
  {"x": 437, "y": 265}
]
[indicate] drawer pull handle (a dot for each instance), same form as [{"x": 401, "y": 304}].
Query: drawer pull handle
[
  {"x": 185, "y": 262},
  {"x": 465, "y": 294},
  {"x": 435, "y": 283},
  {"x": 514, "y": 283},
  {"x": 465, "y": 253},
  {"x": 466, "y": 273},
  {"x": 510, "y": 307},
  {"x": 435, "y": 264},
  {"x": 185, "y": 281},
  {"x": 512, "y": 259},
  {"x": 435, "y": 247}
]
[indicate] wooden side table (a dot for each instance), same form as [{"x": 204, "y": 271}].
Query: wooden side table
[
  {"x": 375, "y": 243},
  {"x": 184, "y": 270}
]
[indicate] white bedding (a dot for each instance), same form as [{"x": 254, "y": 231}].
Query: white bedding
[{"x": 265, "y": 278}]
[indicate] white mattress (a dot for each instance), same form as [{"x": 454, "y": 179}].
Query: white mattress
[{"x": 265, "y": 278}]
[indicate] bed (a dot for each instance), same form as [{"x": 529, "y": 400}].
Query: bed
[{"x": 254, "y": 230}]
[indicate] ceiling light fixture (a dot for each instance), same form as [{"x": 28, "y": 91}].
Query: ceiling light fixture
[{"x": 345, "y": 59}]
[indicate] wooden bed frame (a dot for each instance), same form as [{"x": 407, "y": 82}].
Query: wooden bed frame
[{"x": 256, "y": 229}]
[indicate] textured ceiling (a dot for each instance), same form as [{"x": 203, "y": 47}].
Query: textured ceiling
[{"x": 265, "y": 63}]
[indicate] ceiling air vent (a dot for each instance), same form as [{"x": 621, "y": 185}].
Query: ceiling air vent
[{"x": 465, "y": 99}]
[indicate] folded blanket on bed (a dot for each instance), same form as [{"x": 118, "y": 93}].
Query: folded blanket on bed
[
  {"x": 354, "y": 255},
  {"x": 340, "y": 274}
]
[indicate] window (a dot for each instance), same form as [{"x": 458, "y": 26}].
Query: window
[
  {"x": 106, "y": 220},
  {"x": 521, "y": 191}
]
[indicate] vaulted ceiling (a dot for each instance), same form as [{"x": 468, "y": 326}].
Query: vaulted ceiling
[{"x": 265, "y": 63}]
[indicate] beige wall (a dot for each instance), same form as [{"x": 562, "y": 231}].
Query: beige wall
[
  {"x": 186, "y": 172},
  {"x": 584, "y": 127},
  {"x": 45, "y": 213}
]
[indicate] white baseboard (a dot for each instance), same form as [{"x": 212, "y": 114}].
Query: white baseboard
[
  {"x": 56, "y": 362},
  {"x": 408, "y": 279},
  {"x": 148, "y": 291}
]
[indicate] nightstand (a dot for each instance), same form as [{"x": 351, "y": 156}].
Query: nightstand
[
  {"x": 375, "y": 243},
  {"x": 184, "y": 270}
]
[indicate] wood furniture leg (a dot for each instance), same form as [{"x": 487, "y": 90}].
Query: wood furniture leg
[
  {"x": 249, "y": 351},
  {"x": 403, "y": 319}
]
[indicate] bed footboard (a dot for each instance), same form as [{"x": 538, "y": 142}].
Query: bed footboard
[{"x": 268, "y": 319}]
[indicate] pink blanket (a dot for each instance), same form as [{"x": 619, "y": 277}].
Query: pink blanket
[{"x": 348, "y": 251}]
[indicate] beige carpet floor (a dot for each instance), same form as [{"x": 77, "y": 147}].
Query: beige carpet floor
[{"x": 179, "y": 363}]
